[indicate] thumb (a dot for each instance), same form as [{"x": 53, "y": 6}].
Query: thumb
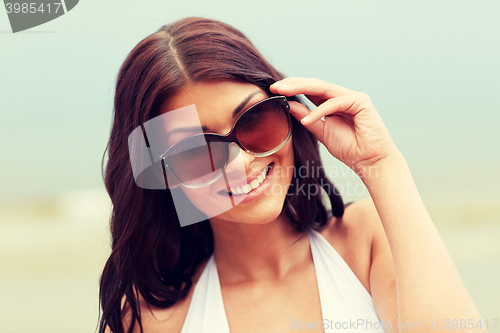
[{"x": 299, "y": 111}]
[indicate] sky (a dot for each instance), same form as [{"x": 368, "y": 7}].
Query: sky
[{"x": 431, "y": 68}]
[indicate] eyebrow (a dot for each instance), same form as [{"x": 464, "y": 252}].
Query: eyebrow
[
  {"x": 204, "y": 128},
  {"x": 244, "y": 103},
  {"x": 186, "y": 129}
]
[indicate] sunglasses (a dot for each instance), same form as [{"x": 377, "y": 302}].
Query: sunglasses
[{"x": 199, "y": 160}]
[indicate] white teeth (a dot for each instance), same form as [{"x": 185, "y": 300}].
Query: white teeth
[
  {"x": 253, "y": 185},
  {"x": 263, "y": 173},
  {"x": 246, "y": 188}
]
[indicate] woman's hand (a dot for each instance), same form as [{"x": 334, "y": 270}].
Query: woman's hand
[{"x": 352, "y": 131}]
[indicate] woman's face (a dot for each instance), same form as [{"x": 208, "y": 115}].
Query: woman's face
[{"x": 216, "y": 102}]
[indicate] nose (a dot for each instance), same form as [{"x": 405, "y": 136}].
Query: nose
[{"x": 238, "y": 161}]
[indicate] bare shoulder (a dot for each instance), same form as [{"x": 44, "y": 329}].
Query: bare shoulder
[
  {"x": 356, "y": 227},
  {"x": 367, "y": 216},
  {"x": 360, "y": 239},
  {"x": 352, "y": 237},
  {"x": 163, "y": 320},
  {"x": 382, "y": 278}
]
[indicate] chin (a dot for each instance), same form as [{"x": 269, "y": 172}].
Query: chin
[{"x": 259, "y": 214}]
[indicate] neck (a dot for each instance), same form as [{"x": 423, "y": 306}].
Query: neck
[{"x": 258, "y": 252}]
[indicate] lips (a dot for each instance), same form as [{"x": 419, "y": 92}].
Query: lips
[
  {"x": 236, "y": 190},
  {"x": 244, "y": 186}
]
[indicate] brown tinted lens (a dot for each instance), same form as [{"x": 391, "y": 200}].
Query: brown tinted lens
[
  {"x": 263, "y": 128},
  {"x": 196, "y": 162}
]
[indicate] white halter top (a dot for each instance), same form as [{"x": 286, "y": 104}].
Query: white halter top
[{"x": 344, "y": 299}]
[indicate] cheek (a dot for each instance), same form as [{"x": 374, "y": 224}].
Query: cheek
[
  {"x": 287, "y": 159},
  {"x": 207, "y": 201},
  {"x": 283, "y": 170},
  {"x": 290, "y": 153}
]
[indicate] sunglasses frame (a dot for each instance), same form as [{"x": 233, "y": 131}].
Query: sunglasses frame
[{"x": 231, "y": 137}]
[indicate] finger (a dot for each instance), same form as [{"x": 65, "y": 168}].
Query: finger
[
  {"x": 300, "y": 111},
  {"x": 312, "y": 88},
  {"x": 351, "y": 104}
]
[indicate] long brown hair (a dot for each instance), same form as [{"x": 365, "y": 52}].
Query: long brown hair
[{"x": 152, "y": 255}]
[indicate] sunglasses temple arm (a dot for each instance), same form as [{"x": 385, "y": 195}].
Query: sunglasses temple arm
[
  {"x": 227, "y": 186},
  {"x": 211, "y": 157}
]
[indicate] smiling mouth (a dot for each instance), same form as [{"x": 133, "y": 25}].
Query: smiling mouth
[{"x": 245, "y": 189}]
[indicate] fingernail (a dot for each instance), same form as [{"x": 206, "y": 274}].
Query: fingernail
[{"x": 305, "y": 119}]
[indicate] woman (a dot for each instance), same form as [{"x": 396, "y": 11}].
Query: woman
[{"x": 276, "y": 260}]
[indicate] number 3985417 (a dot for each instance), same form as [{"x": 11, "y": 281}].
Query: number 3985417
[{"x": 27, "y": 8}]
